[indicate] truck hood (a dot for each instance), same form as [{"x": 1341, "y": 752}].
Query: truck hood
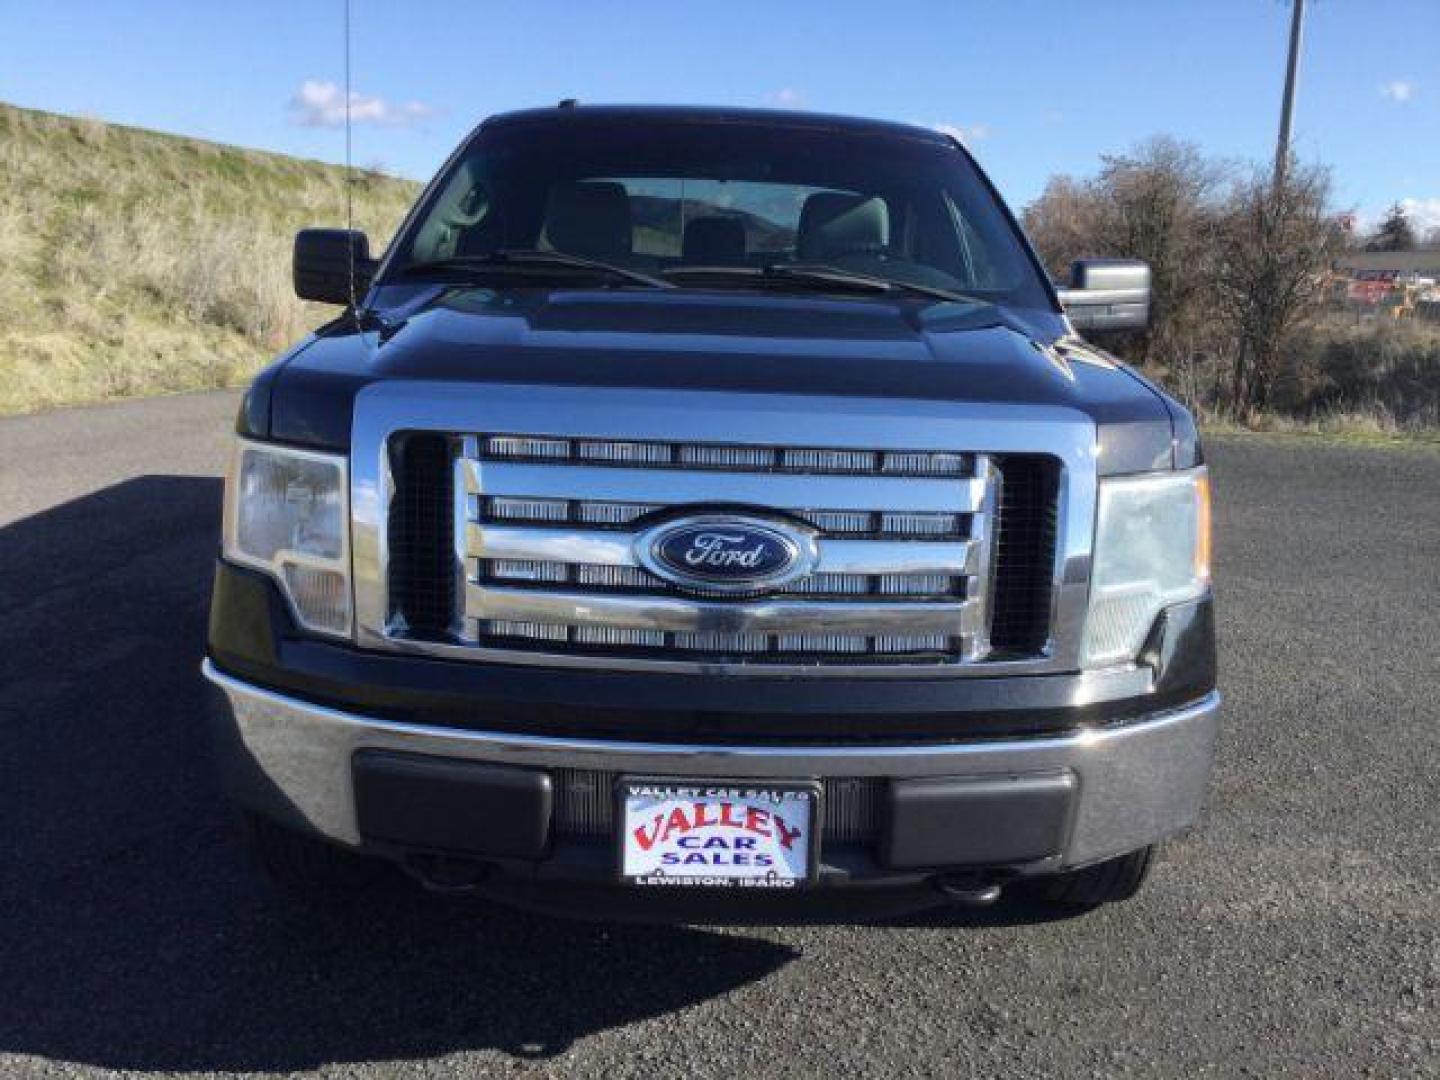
[{"x": 910, "y": 348}]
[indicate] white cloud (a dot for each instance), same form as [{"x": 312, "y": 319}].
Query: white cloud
[
  {"x": 320, "y": 103},
  {"x": 1398, "y": 90},
  {"x": 967, "y": 134},
  {"x": 787, "y": 97},
  {"x": 1424, "y": 214}
]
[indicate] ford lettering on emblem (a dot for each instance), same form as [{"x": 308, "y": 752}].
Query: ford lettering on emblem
[{"x": 721, "y": 553}]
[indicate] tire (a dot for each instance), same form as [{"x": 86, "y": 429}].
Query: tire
[
  {"x": 1109, "y": 882},
  {"x": 305, "y": 865}
]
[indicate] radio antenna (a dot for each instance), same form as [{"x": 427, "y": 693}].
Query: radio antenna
[{"x": 349, "y": 179}]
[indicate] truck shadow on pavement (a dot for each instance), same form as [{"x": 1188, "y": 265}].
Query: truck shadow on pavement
[{"x": 133, "y": 933}]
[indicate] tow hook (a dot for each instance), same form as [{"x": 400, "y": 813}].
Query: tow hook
[
  {"x": 439, "y": 874},
  {"x": 968, "y": 890}
]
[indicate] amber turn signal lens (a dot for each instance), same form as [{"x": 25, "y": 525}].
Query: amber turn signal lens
[{"x": 1202, "y": 526}]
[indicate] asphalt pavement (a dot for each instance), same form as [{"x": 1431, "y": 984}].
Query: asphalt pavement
[{"x": 1295, "y": 932}]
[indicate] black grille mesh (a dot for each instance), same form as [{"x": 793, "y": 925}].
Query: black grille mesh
[
  {"x": 421, "y": 534},
  {"x": 1024, "y": 556}
]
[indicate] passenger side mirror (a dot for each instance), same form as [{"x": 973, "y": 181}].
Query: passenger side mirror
[
  {"x": 322, "y": 262},
  {"x": 1107, "y": 294}
]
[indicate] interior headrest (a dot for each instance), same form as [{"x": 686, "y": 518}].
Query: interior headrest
[
  {"x": 589, "y": 218},
  {"x": 713, "y": 239},
  {"x": 832, "y": 222}
]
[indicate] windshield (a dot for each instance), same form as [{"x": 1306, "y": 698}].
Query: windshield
[{"x": 667, "y": 198}]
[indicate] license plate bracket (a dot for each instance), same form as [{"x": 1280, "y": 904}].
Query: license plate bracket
[{"x": 736, "y": 834}]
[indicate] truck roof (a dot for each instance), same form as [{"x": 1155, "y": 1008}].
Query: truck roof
[{"x": 572, "y": 113}]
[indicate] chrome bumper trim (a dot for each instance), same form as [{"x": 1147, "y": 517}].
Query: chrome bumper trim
[{"x": 1137, "y": 782}]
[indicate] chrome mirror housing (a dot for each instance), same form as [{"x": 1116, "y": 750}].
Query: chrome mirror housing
[{"x": 1107, "y": 295}]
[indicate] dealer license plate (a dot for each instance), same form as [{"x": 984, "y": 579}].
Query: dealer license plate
[{"x": 718, "y": 834}]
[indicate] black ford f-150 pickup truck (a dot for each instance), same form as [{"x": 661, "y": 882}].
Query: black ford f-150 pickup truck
[{"x": 701, "y": 504}]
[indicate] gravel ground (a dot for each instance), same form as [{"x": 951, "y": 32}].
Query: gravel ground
[{"x": 1293, "y": 933}]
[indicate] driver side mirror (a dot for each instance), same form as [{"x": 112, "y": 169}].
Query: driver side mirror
[
  {"x": 1107, "y": 294},
  {"x": 324, "y": 260}
]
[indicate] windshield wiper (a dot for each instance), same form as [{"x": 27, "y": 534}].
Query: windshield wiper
[
  {"x": 818, "y": 274},
  {"x": 503, "y": 259}
]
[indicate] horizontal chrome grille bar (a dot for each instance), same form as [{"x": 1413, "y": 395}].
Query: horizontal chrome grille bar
[
  {"x": 869, "y": 524},
  {"x": 781, "y": 490},
  {"x": 625, "y": 452},
  {"x": 675, "y": 614},
  {"x": 896, "y": 557},
  {"x": 550, "y": 545},
  {"x": 637, "y": 579},
  {"x": 608, "y": 548}
]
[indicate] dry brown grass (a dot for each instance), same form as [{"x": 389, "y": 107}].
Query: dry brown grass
[{"x": 133, "y": 262}]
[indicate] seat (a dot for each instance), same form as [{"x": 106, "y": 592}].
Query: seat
[
  {"x": 713, "y": 240},
  {"x": 590, "y": 218},
  {"x": 833, "y": 223}
]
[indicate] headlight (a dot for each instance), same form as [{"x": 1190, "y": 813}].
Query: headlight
[
  {"x": 285, "y": 513},
  {"x": 1152, "y": 549}
]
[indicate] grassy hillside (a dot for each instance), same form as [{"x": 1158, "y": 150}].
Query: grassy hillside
[{"x": 133, "y": 262}]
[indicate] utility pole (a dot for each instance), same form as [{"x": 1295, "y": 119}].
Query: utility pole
[{"x": 1287, "y": 106}]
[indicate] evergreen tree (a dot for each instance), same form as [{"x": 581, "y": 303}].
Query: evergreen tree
[{"x": 1395, "y": 232}]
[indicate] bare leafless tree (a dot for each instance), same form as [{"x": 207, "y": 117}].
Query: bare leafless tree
[
  {"x": 1064, "y": 222},
  {"x": 1274, "y": 246}
]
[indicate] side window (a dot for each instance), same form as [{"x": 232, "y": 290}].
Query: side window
[
  {"x": 977, "y": 256},
  {"x": 463, "y": 217},
  {"x": 987, "y": 275}
]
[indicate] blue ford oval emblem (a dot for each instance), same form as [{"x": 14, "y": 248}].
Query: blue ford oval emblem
[{"x": 724, "y": 553}]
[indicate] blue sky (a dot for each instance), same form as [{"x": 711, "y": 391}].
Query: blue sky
[{"x": 1037, "y": 87}]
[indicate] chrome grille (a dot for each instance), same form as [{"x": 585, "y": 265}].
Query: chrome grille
[
  {"x": 534, "y": 535},
  {"x": 546, "y": 531},
  {"x": 585, "y": 807},
  {"x": 552, "y": 524}
]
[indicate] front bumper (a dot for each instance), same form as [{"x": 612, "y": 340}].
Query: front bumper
[{"x": 1125, "y": 785}]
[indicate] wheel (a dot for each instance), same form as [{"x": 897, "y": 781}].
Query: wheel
[
  {"x": 1108, "y": 882},
  {"x": 304, "y": 864}
]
